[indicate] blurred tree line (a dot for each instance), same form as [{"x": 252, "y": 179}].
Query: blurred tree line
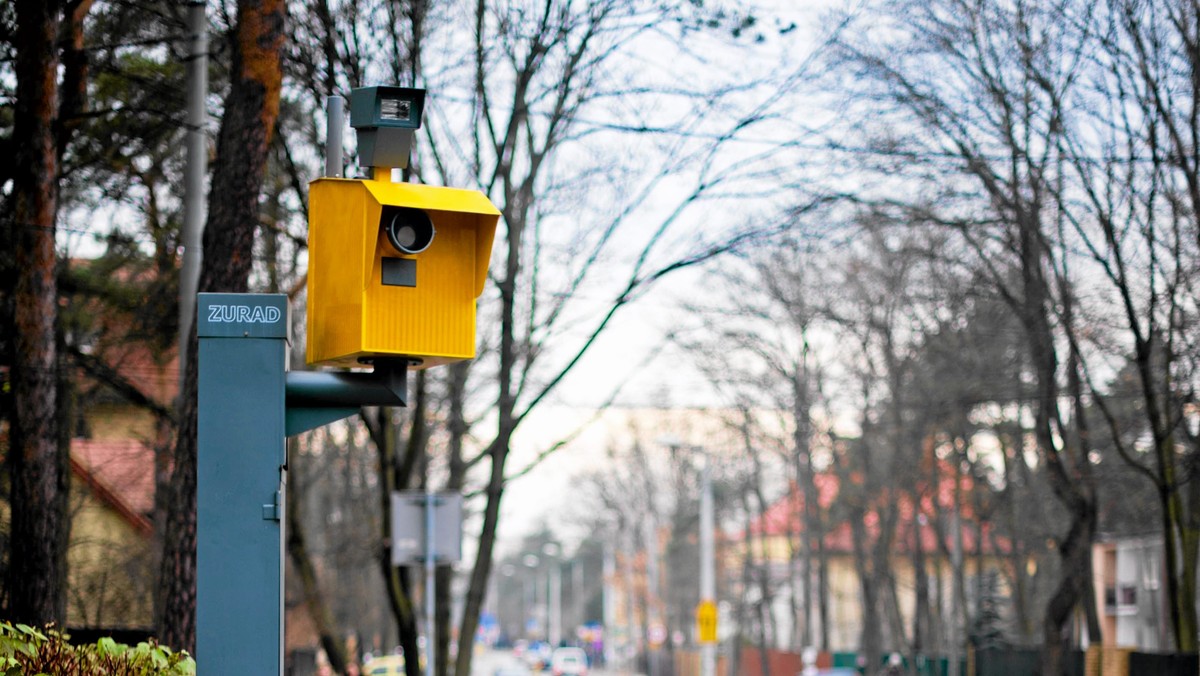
[
  {"x": 945, "y": 221},
  {"x": 1005, "y": 285},
  {"x": 93, "y": 103}
]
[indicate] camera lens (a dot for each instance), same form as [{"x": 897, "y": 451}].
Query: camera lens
[
  {"x": 409, "y": 230},
  {"x": 405, "y": 236}
]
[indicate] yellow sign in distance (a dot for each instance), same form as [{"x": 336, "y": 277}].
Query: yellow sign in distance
[{"x": 706, "y": 621}]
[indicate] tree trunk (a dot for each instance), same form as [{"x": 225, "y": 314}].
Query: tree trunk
[
  {"x": 394, "y": 474},
  {"x": 498, "y": 450},
  {"x": 823, "y": 588},
  {"x": 1179, "y": 543},
  {"x": 73, "y": 94},
  {"x": 871, "y": 641},
  {"x": 37, "y": 559},
  {"x": 896, "y": 636},
  {"x": 457, "y": 428},
  {"x": 1012, "y": 452},
  {"x": 1075, "y": 547},
  {"x": 1084, "y": 470},
  {"x": 802, "y": 463},
  {"x": 958, "y": 620},
  {"x": 242, "y": 148},
  {"x": 477, "y": 586},
  {"x": 920, "y": 619},
  {"x": 1190, "y": 560},
  {"x": 297, "y": 549}
]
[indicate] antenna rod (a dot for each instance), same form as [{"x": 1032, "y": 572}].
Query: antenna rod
[
  {"x": 197, "y": 166},
  {"x": 335, "y": 120}
]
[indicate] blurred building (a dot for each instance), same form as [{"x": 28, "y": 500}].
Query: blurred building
[
  {"x": 943, "y": 535},
  {"x": 1131, "y": 595},
  {"x": 118, "y": 406},
  {"x": 110, "y": 558}
]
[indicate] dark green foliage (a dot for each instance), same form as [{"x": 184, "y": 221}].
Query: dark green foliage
[
  {"x": 26, "y": 650},
  {"x": 124, "y": 295}
]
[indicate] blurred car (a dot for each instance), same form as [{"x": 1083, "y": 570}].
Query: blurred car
[
  {"x": 537, "y": 655},
  {"x": 385, "y": 665},
  {"x": 569, "y": 662}
]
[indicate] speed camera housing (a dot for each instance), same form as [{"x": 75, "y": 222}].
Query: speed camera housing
[
  {"x": 394, "y": 268},
  {"x": 370, "y": 298}
]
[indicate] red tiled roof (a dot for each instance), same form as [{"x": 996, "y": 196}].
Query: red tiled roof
[
  {"x": 156, "y": 375},
  {"x": 785, "y": 517},
  {"x": 779, "y": 518},
  {"x": 121, "y": 473}
]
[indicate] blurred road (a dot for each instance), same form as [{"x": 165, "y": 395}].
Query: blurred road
[{"x": 504, "y": 663}]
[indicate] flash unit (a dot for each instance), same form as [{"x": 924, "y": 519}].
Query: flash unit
[
  {"x": 395, "y": 109},
  {"x": 386, "y": 119}
]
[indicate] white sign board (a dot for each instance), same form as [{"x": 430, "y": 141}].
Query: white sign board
[{"x": 408, "y": 527}]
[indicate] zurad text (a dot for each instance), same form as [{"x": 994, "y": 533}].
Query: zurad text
[{"x": 243, "y": 314}]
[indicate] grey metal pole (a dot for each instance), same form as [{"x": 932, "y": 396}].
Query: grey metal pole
[
  {"x": 430, "y": 581},
  {"x": 528, "y": 603},
  {"x": 610, "y": 603},
  {"x": 650, "y": 534},
  {"x": 197, "y": 167},
  {"x": 577, "y": 618},
  {"x": 633, "y": 638},
  {"x": 541, "y": 584},
  {"x": 335, "y": 123},
  {"x": 555, "y": 603},
  {"x": 708, "y": 582},
  {"x": 956, "y": 598}
]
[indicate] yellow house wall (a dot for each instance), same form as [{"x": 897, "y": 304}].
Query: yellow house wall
[
  {"x": 110, "y": 569},
  {"x": 845, "y": 591},
  {"x": 111, "y": 422},
  {"x": 845, "y": 603}
]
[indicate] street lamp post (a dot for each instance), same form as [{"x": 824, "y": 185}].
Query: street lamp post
[
  {"x": 499, "y": 607},
  {"x": 706, "y": 609},
  {"x": 554, "y": 594},
  {"x": 708, "y": 581},
  {"x": 531, "y": 562},
  {"x": 654, "y": 618},
  {"x": 609, "y": 609}
]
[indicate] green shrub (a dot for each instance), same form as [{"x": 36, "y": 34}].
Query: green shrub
[{"x": 25, "y": 651}]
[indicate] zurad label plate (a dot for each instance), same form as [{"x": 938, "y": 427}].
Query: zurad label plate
[{"x": 242, "y": 315}]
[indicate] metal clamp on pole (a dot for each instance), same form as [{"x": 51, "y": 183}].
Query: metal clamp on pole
[
  {"x": 386, "y": 386},
  {"x": 319, "y": 398}
]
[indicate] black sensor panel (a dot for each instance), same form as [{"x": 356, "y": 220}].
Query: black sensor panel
[{"x": 399, "y": 272}]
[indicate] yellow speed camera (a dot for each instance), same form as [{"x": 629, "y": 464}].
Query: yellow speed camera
[{"x": 394, "y": 271}]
